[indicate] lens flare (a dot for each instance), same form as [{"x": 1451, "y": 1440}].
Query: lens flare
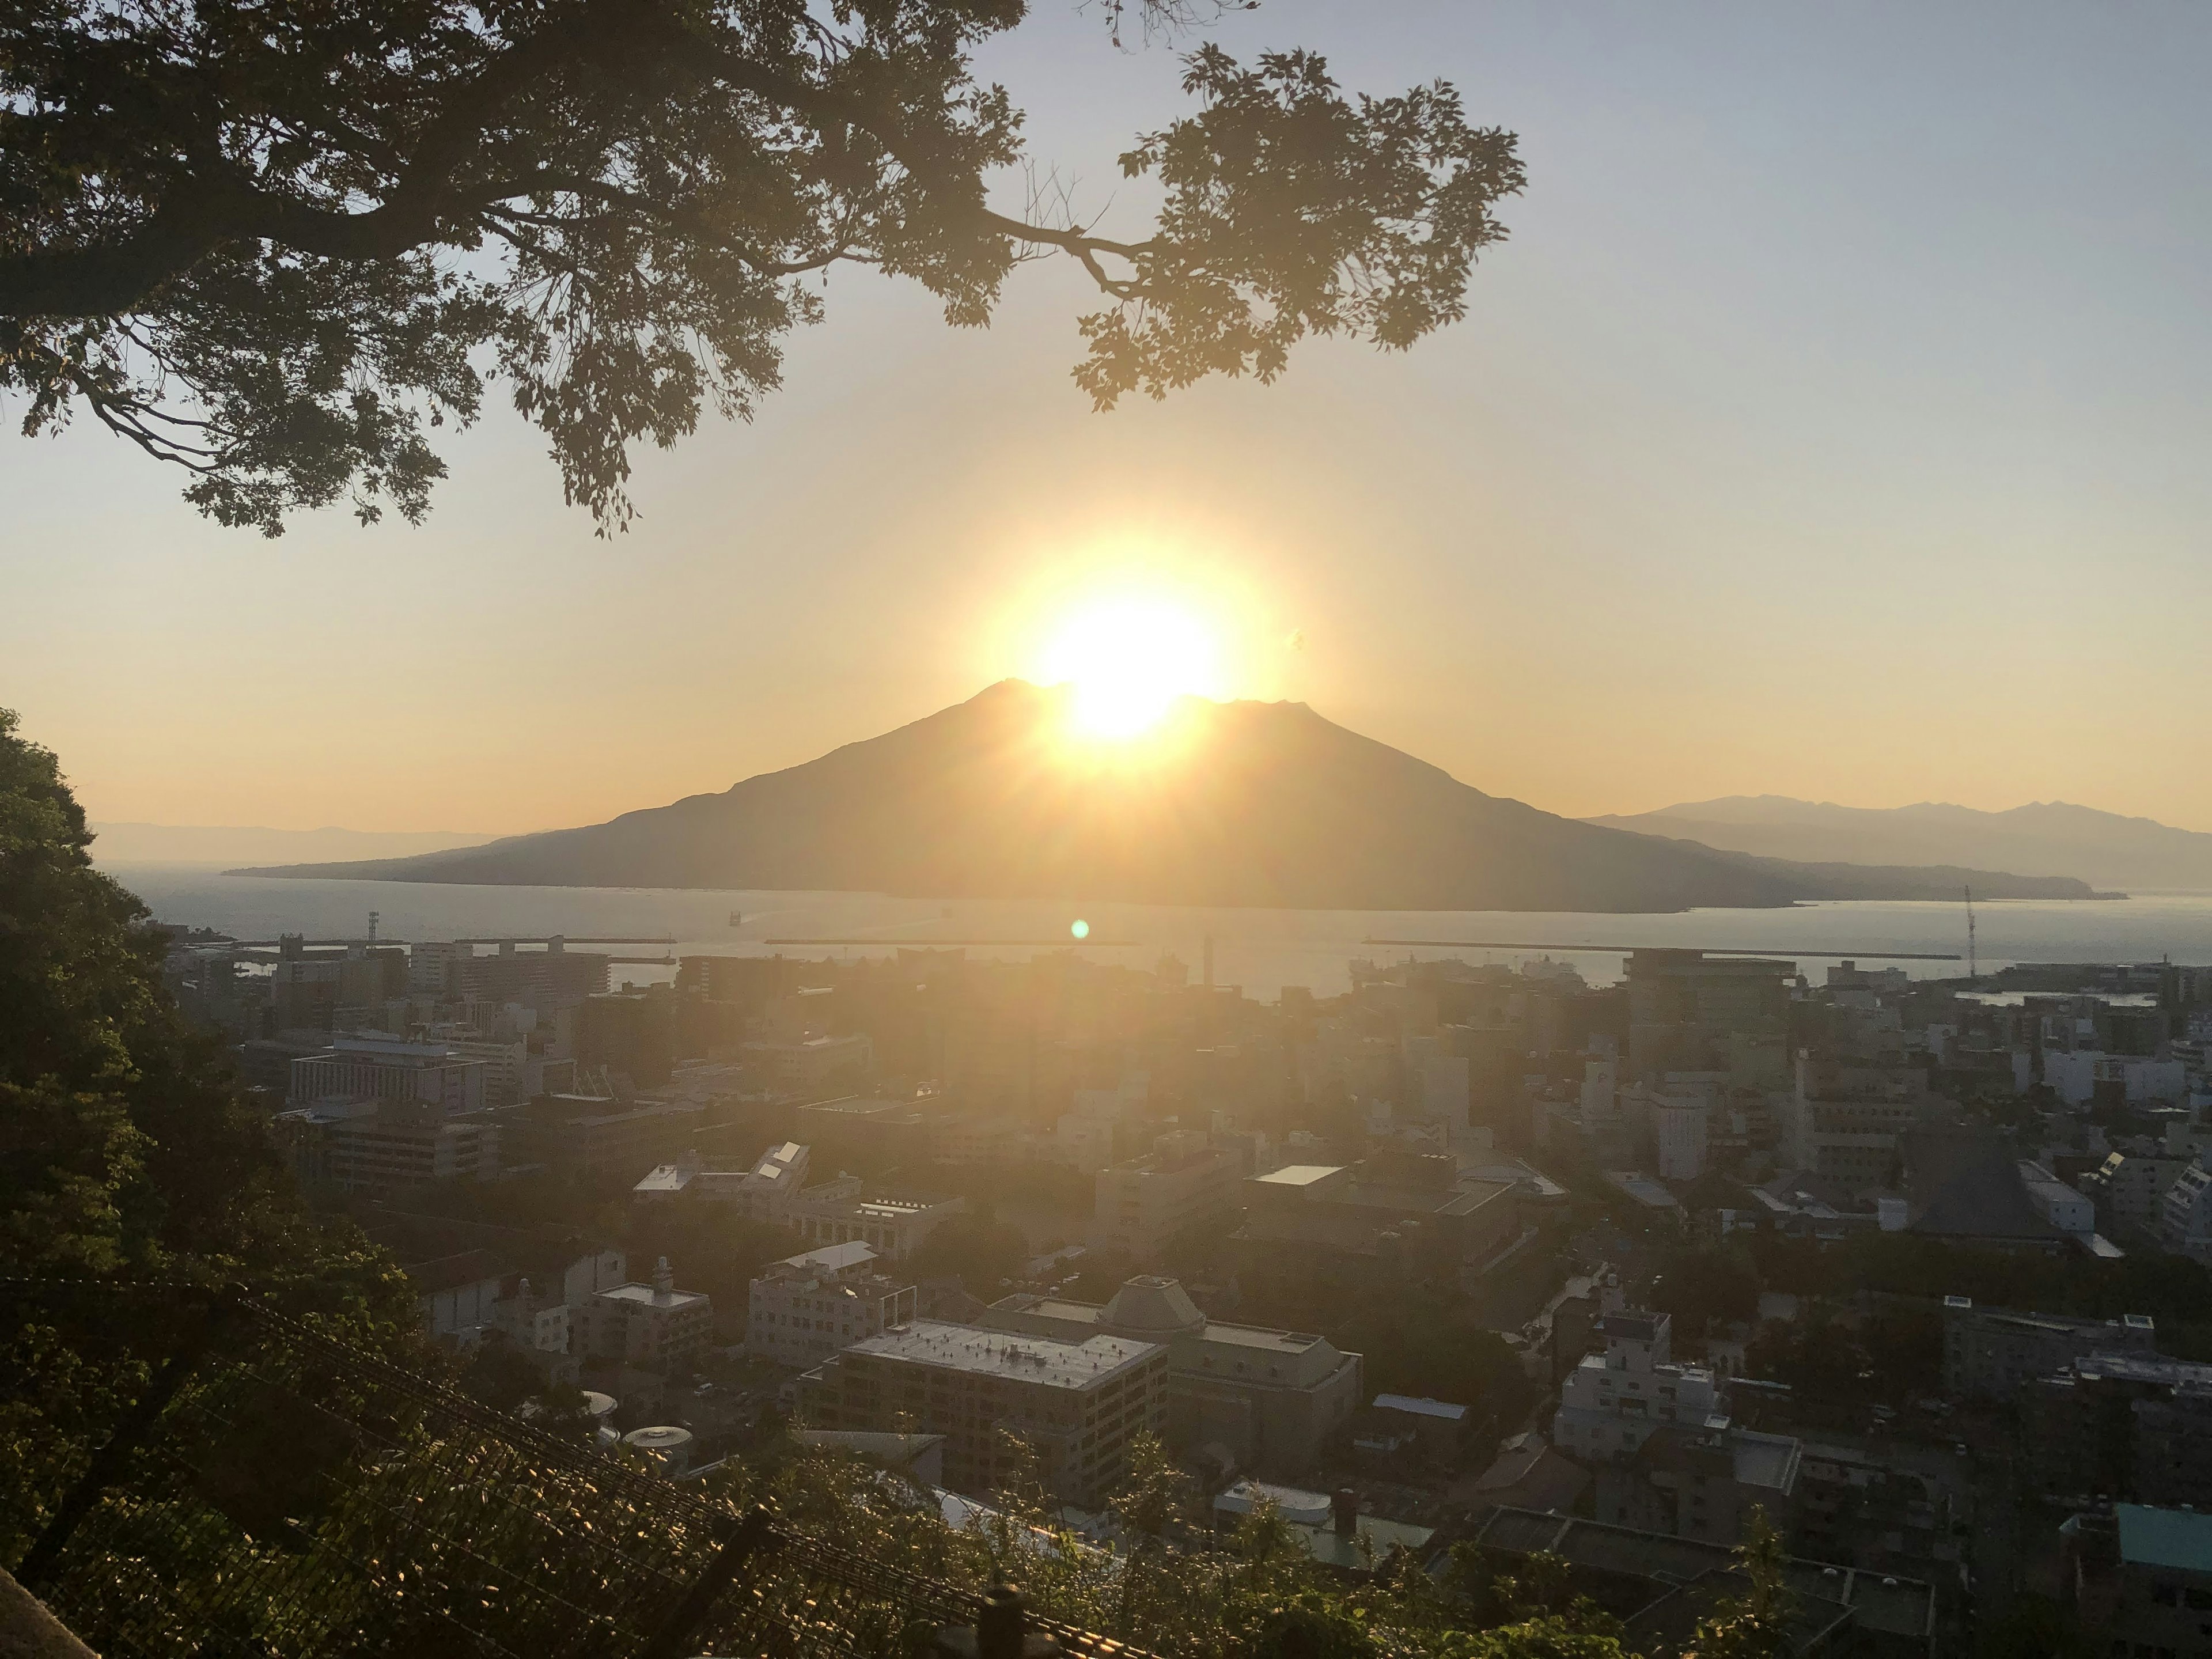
[{"x": 1127, "y": 660}]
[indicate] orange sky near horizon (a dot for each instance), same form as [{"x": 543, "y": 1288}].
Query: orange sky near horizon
[{"x": 1832, "y": 425}]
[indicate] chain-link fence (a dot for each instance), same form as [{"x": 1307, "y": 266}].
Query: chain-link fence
[{"x": 267, "y": 1490}]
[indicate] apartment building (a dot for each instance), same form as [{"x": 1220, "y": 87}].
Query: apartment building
[
  {"x": 804, "y": 1308},
  {"x": 1077, "y": 1405}
]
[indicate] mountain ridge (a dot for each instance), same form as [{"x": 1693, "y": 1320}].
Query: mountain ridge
[
  {"x": 1235, "y": 803},
  {"x": 2035, "y": 839}
]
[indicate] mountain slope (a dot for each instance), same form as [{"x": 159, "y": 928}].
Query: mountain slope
[
  {"x": 1238, "y": 804},
  {"x": 217, "y": 845},
  {"x": 2046, "y": 838}
]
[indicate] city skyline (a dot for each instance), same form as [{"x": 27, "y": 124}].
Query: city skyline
[{"x": 1823, "y": 429}]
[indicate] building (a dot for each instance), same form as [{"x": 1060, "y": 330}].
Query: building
[
  {"x": 2064, "y": 1206},
  {"x": 1684, "y": 1006},
  {"x": 2184, "y": 1214},
  {"x": 1989, "y": 1353},
  {"x": 1659, "y": 1586},
  {"x": 2143, "y": 1578},
  {"x": 894, "y": 1225},
  {"x": 2129, "y": 1190},
  {"x": 601, "y": 1138},
  {"x": 807, "y": 1064},
  {"x": 2133, "y": 1425},
  {"x": 334, "y": 991},
  {"x": 631, "y": 1033},
  {"x": 1270, "y": 1398},
  {"x": 1393, "y": 1207},
  {"x": 1612, "y": 1402},
  {"x": 1964, "y": 1186},
  {"x": 389, "y": 1068},
  {"x": 1183, "y": 1186},
  {"x": 1701, "y": 1483},
  {"x": 1328, "y": 1526},
  {"x": 1679, "y": 1126},
  {"x": 381, "y": 1147},
  {"x": 547, "y": 979},
  {"x": 651, "y": 1327},
  {"x": 1077, "y": 1405},
  {"x": 804, "y": 1308},
  {"x": 767, "y": 1193},
  {"x": 864, "y": 1133},
  {"x": 2078, "y": 1077},
  {"x": 1848, "y": 1122}
]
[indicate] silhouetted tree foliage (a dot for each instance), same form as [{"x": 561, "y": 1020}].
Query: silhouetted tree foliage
[
  {"x": 975, "y": 1249},
  {"x": 125, "y": 1149},
  {"x": 273, "y": 246}
]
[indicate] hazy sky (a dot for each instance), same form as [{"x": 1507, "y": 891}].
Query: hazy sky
[{"x": 1835, "y": 424}]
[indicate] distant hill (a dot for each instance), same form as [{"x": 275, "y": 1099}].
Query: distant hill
[
  {"x": 2047, "y": 838},
  {"x": 1240, "y": 804},
  {"x": 217, "y": 845}
]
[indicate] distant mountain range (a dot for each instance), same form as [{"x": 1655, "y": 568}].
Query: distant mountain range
[
  {"x": 2047, "y": 838},
  {"x": 217, "y": 845},
  {"x": 1243, "y": 803}
]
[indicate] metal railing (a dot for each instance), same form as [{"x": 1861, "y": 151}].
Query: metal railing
[{"x": 272, "y": 1491}]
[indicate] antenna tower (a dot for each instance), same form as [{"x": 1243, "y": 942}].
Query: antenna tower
[
  {"x": 1974, "y": 966},
  {"x": 372, "y": 919}
]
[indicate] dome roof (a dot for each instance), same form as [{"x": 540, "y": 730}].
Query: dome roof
[{"x": 1151, "y": 1305}]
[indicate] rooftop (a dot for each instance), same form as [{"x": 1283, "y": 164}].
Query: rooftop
[
  {"x": 832, "y": 1258},
  {"x": 1029, "y": 1359},
  {"x": 2180, "y": 1540},
  {"x": 1299, "y": 1175},
  {"x": 647, "y": 1296},
  {"x": 1423, "y": 1406}
]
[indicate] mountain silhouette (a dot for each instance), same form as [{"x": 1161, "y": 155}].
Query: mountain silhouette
[
  {"x": 1241, "y": 804},
  {"x": 2039, "y": 839}
]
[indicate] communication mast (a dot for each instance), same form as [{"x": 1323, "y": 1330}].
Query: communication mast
[{"x": 1974, "y": 966}]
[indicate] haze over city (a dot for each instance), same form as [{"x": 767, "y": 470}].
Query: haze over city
[{"x": 1829, "y": 426}]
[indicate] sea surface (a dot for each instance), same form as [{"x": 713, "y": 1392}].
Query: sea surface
[{"x": 1261, "y": 951}]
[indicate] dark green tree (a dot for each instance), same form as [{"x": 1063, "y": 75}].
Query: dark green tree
[
  {"x": 125, "y": 1151},
  {"x": 274, "y": 245}
]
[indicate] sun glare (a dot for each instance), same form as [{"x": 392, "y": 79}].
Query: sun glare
[{"x": 1127, "y": 661}]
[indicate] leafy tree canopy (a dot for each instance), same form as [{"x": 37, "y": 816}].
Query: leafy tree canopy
[{"x": 274, "y": 245}]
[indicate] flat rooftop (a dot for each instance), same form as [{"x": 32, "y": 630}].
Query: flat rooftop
[
  {"x": 1037, "y": 1359},
  {"x": 2179, "y": 1540},
  {"x": 647, "y": 1297},
  {"x": 1090, "y": 1312},
  {"x": 1299, "y": 1175}
]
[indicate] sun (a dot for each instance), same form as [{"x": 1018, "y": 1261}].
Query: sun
[{"x": 1127, "y": 659}]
